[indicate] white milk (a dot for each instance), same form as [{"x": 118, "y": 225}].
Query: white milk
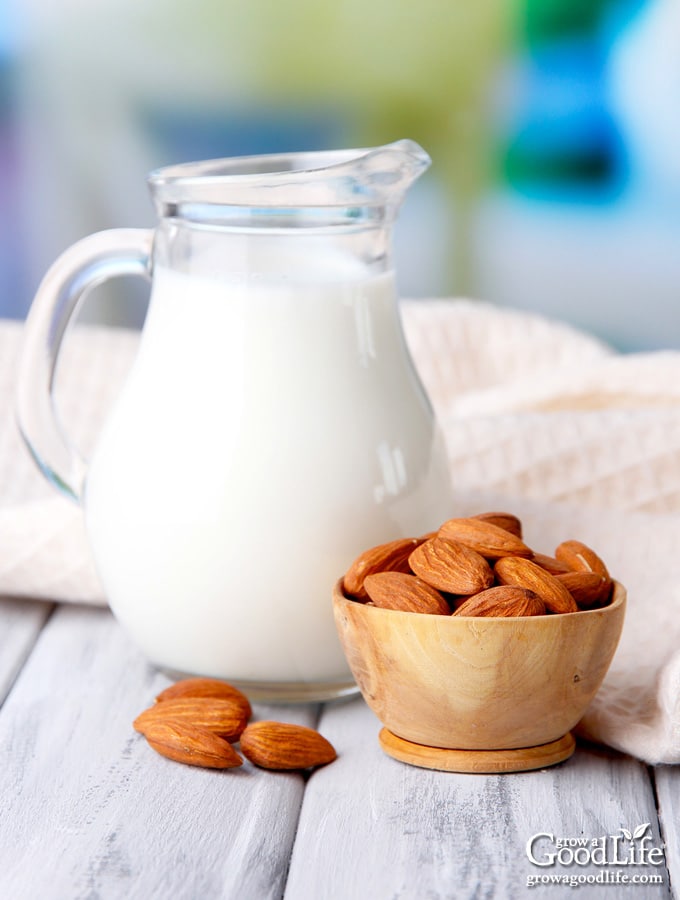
[{"x": 269, "y": 431}]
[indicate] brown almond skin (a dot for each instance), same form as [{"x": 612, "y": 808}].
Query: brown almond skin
[
  {"x": 188, "y": 744},
  {"x": 485, "y": 538},
  {"x": 504, "y": 520},
  {"x": 580, "y": 558},
  {"x": 407, "y": 593},
  {"x": 451, "y": 566},
  {"x": 222, "y": 717},
  {"x": 550, "y": 564},
  {"x": 390, "y": 557},
  {"x": 588, "y": 589},
  {"x": 503, "y": 600},
  {"x": 522, "y": 572},
  {"x": 206, "y": 687},
  {"x": 279, "y": 745}
]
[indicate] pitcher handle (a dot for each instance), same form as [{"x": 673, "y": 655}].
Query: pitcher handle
[{"x": 86, "y": 264}]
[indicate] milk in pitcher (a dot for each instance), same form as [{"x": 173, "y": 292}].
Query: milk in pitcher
[{"x": 196, "y": 499}]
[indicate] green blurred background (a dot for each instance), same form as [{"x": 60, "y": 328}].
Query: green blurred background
[{"x": 553, "y": 125}]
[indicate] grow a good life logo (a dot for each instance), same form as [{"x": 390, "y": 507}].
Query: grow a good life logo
[{"x": 628, "y": 857}]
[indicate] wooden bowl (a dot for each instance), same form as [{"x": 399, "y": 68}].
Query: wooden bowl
[{"x": 510, "y": 689}]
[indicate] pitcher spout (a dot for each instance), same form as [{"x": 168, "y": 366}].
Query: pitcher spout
[
  {"x": 386, "y": 173},
  {"x": 372, "y": 178}
]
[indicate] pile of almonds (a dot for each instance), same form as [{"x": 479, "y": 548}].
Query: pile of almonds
[
  {"x": 196, "y": 721},
  {"x": 479, "y": 566}
]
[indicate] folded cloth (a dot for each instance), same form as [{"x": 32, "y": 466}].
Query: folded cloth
[
  {"x": 44, "y": 549},
  {"x": 582, "y": 443},
  {"x": 538, "y": 418}
]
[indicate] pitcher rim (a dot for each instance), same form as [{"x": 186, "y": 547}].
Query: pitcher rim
[{"x": 369, "y": 176}]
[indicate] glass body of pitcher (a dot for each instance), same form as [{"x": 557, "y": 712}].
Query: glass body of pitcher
[{"x": 272, "y": 426}]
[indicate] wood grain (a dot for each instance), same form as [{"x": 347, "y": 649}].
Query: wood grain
[
  {"x": 21, "y": 622},
  {"x": 89, "y": 810},
  {"x": 371, "y": 827},
  {"x": 667, "y": 779}
]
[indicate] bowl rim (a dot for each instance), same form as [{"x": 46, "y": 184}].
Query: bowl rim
[{"x": 619, "y": 597}]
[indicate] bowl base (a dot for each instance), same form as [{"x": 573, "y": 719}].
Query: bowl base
[{"x": 521, "y": 759}]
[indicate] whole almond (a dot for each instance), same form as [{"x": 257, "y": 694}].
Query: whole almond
[
  {"x": 206, "y": 687},
  {"x": 279, "y": 745},
  {"x": 188, "y": 744},
  {"x": 587, "y": 588},
  {"x": 521, "y": 572},
  {"x": 390, "y": 557},
  {"x": 408, "y": 593},
  {"x": 225, "y": 718},
  {"x": 485, "y": 538},
  {"x": 503, "y": 600},
  {"x": 504, "y": 520},
  {"x": 451, "y": 566},
  {"x": 550, "y": 564},
  {"x": 580, "y": 558}
]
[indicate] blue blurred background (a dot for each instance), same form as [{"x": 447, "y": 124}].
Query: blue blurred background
[{"x": 554, "y": 128}]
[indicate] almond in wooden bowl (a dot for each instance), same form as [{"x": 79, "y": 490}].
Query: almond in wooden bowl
[{"x": 478, "y": 693}]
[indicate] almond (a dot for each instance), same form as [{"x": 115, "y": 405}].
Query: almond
[
  {"x": 223, "y": 717},
  {"x": 587, "y": 588},
  {"x": 550, "y": 564},
  {"x": 580, "y": 558},
  {"x": 206, "y": 687},
  {"x": 521, "y": 572},
  {"x": 390, "y": 557},
  {"x": 503, "y": 520},
  {"x": 191, "y": 745},
  {"x": 278, "y": 745},
  {"x": 485, "y": 538},
  {"x": 451, "y": 566},
  {"x": 397, "y": 590},
  {"x": 505, "y": 601}
]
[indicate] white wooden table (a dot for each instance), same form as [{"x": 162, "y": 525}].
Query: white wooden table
[{"x": 89, "y": 811}]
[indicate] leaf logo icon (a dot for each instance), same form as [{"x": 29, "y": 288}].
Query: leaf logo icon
[{"x": 639, "y": 832}]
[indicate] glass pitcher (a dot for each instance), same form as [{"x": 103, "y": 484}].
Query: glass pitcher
[{"x": 272, "y": 426}]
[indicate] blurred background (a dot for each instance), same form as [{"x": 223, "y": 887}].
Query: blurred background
[{"x": 553, "y": 125}]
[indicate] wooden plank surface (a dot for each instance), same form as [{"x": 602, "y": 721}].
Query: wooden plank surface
[
  {"x": 376, "y": 828},
  {"x": 90, "y": 811},
  {"x": 667, "y": 780},
  {"x": 21, "y": 621}
]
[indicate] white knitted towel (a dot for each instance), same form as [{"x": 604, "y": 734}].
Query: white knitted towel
[{"x": 538, "y": 419}]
